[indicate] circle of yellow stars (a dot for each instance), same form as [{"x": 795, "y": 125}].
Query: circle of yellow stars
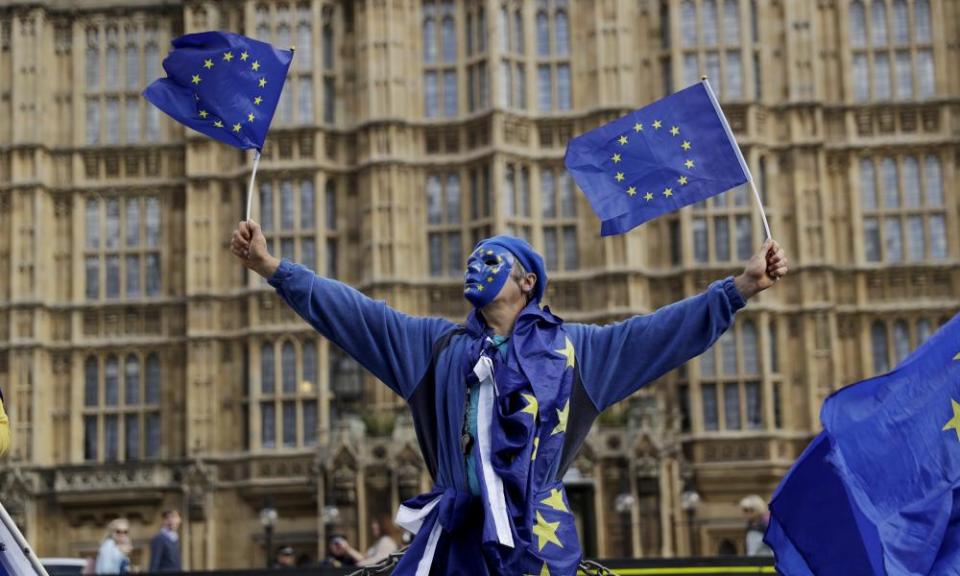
[
  {"x": 682, "y": 180},
  {"x": 227, "y": 56}
]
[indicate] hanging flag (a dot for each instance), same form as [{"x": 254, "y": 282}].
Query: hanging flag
[
  {"x": 224, "y": 85},
  {"x": 674, "y": 152},
  {"x": 879, "y": 490}
]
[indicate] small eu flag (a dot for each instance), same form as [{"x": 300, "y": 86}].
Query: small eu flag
[
  {"x": 672, "y": 153},
  {"x": 224, "y": 85},
  {"x": 878, "y": 491}
]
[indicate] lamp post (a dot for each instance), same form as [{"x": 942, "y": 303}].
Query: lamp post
[
  {"x": 689, "y": 501},
  {"x": 268, "y": 518},
  {"x": 624, "y": 506}
]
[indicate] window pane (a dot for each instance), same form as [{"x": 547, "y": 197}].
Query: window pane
[
  {"x": 453, "y": 199},
  {"x": 890, "y": 185},
  {"x": 683, "y": 399},
  {"x": 111, "y": 438},
  {"x": 504, "y": 29},
  {"x": 309, "y": 423},
  {"x": 548, "y": 197},
  {"x": 934, "y": 184},
  {"x": 915, "y": 244},
  {"x": 921, "y": 20},
  {"x": 568, "y": 199},
  {"x": 329, "y": 102},
  {"x": 911, "y": 182},
  {"x": 304, "y": 42},
  {"x": 858, "y": 25},
  {"x": 113, "y": 121},
  {"x": 309, "y": 383},
  {"x": 878, "y": 23},
  {"x": 434, "y": 211},
  {"x": 881, "y": 77},
  {"x": 331, "y": 258},
  {"x": 91, "y": 387},
  {"x": 92, "y": 274},
  {"x": 728, "y": 353},
  {"x": 506, "y": 83},
  {"x": 901, "y": 22},
  {"x": 744, "y": 238},
  {"x": 894, "y": 240},
  {"x": 868, "y": 190},
  {"x": 286, "y": 205},
  {"x": 481, "y": 30},
  {"x": 153, "y": 122},
  {"x": 153, "y": 436},
  {"x": 268, "y": 425},
  {"x": 712, "y": 65},
  {"x": 523, "y": 199},
  {"x": 331, "y": 204},
  {"x": 113, "y": 223},
  {"x": 305, "y": 99},
  {"x": 510, "y": 200},
  {"x": 688, "y": 24},
  {"x": 454, "y": 254},
  {"x": 691, "y": 69},
  {"x": 112, "y": 67},
  {"x": 288, "y": 249},
  {"x": 153, "y": 274},
  {"x": 89, "y": 438},
  {"x": 131, "y": 432},
  {"x": 153, "y": 222},
  {"x": 307, "y": 205},
  {"x": 543, "y": 34},
  {"x": 731, "y": 21},
  {"x": 904, "y": 76},
  {"x": 777, "y": 410},
  {"x": 92, "y": 222},
  {"x": 871, "y": 239},
  {"x": 131, "y": 381},
  {"x": 328, "y": 47},
  {"x": 731, "y": 406},
  {"x": 132, "y": 120},
  {"x": 267, "y": 373},
  {"x": 113, "y": 276},
  {"x": 571, "y": 257},
  {"x": 449, "y": 40},
  {"x": 938, "y": 237},
  {"x": 709, "y": 32},
  {"x": 561, "y": 33},
  {"x": 700, "y": 245},
  {"x": 308, "y": 252},
  {"x": 430, "y": 95},
  {"x": 924, "y": 330},
  {"x": 151, "y": 59},
  {"x": 429, "y": 41},
  {"x": 435, "y": 242},
  {"x": 132, "y": 236},
  {"x": 878, "y": 334},
  {"x": 518, "y": 43},
  {"x": 774, "y": 354},
  {"x": 288, "y": 365},
  {"x": 152, "y": 392},
  {"x": 544, "y": 88},
  {"x": 289, "y": 424},
  {"x": 901, "y": 340},
  {"x": 754, "y": 406},
  {"x": 751, "y": 356},
  {"x": 450, "y": 93},
  {"x": 550, "y": 248},
  {"x": 709, "y": 400},
  {"x": 861, "y": 87},
  {"x": 92, "y": 61},
  {"x": 925, "y": 73},
  {"x": 734, "y": 75},
  {"x": 564, "y": 88},
  {"x": 266, "y": 207},
  {"x": 111, "y": 385},
  {"x": 721, "y": 229}
]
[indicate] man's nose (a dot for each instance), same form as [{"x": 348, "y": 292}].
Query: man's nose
[{"x": 474, "y": 265}]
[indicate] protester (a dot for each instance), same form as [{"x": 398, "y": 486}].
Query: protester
[
  {"x": 285, "y": 558},
  {"x": 755, "y": 513},
  {"x": 114, "y": 554},
  {"x": 385, "y": 534},
  {"x": 165, "y": 545},
  {"x": 503, "y": 402},
  {"x": 338, "y": 552}
]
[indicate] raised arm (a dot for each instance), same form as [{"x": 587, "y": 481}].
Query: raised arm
[
  {"x": 395, "y": 347},
  {"x": 617, "y": 360}
]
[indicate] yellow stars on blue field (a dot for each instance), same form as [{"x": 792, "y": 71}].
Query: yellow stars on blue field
[
  {"x": 668, "y": 192},
  {"x": 954, "y": 423},
  {"x": 227, "y": 56},
  {"x": 236, "y": 127},
  {"x": 218, "y": 124},
  {"x": 957, "y": 357},
  {"x": 204, "y": 113},
  {"x": 648, "y": 196},
  {"x": 623, "y": 140},
  {"x": 682, "y": 180},
  {"x": 689, "y": 164},
  {"x": 546, "y": 532},
  {"x": 257, "y": 100},
  {"x": 545, "y": 571},
  {"x": 195, "y": 79},
  {"x": 685, "y": 145},
  {"x": 263, "y": 82},
  {"x": 638, "y": 127},
  {"x": 255, "y": 66},
  {"x": 675, "y": 130},
  {"x": 555, "y": 500},
  {"x": 244, "y": 55},
  {"x": 208, "y": 63},
  {"x": 631, "y": 182},
  {"x": 657, "y": 124},
  {"x": 532, "y": 405},
  {"x": 567, "y": 351},
  {"x": 619, "y": 177},
  {"x": 632, "y": 191},
  {"x": 250, "y": 117},
  {"x": 616, "y": 158},
  {"x": 562, "y": 416}
]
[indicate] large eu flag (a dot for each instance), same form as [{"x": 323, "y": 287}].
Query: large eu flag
[
  {"x": 224, "y": 85},
  {"x": 878, "y": 491},
  {"x": 674, "y": 152}
]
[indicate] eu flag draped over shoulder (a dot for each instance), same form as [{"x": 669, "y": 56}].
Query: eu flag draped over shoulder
[
  {"x": 878, "y": 491},
  {"x": 224, "y": 85},
  {"x": 674, "y": 152}
]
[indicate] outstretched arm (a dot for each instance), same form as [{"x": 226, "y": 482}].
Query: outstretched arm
[
  {"x": 617, "y": 360},
  {"x": 395, "y": 347}
]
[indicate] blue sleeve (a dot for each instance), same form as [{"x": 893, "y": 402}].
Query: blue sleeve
[
  {"x": 156, "y": 553},
  {"x": 393, "y": 346},
  {"x": 617, "y": 360}
]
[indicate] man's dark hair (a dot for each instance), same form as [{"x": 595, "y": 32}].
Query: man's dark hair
[{"x": 168, "y": 513}]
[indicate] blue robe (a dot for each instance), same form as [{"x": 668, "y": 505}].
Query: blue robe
[{"x": 455, "y": 532}]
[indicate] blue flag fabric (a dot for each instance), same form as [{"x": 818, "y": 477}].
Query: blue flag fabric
[
  {"x": 674, "y": 152},
  {"x": 224, "y": 85},
  {"x": 879, "y": 490}
]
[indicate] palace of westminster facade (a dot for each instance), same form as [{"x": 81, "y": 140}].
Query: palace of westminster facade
[{"x": 144, "y": 369}]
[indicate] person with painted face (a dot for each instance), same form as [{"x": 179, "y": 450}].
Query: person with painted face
[{"x": 502, "y": 402}]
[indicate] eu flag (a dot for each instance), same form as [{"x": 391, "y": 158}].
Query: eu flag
[
  {"x": 674, "y": 152},
  {"x": 224, "y": 85},
  {"x": 879, "y": 490}
]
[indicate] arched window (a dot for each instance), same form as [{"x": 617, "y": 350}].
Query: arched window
[
  {"x": 429, "y": 41},
  {"x": 688, "y": 23},
  {"x": 288, "y": 364},
  {"x": 519, "y": 44},
  {"x": 731, "y": 21},
  {"x": 878, "y": 336},
  {"x": 543, "y": 34},
  {"x": 133, "y": 66},
  {"x": 131, "y": 381},
  {"x": 878, "y": 23},
  {"x": 267, "y": 374},
  {"x": 901, "y": 22},
  {"x": 91, "y": 385},
  {"x": 561, "y": 32},
  {"x": 921, "y": 21},
  {"x": 151, "y": 61},
  {"x": 449, "y": 39},
  {"x": 328, "y": 47},
  {"x": 304, "y": 45},
  {"x": 92, "y": 59},
  {"x": 858, "y": 24},
  {"x": 710, "y": 22}
]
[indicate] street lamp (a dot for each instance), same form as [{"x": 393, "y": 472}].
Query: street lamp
[
  {"x": 268, "y": 518},
  {"x": 624, "y": 506},
  {"x": 689, "y": 501}
]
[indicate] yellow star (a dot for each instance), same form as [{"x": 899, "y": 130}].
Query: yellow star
[
  {"x": 619, "y": 176},
  {"x": 688, "y": 164},
  {"x": 489, "y": 279},
  {"x": 668, "y": 192},
  {"x": 204, "y": 113},
  {"x": 685, "y": 145},
  {"x": 536, "y": 445},
  {"x": 480, "y": 288},
  {"x": 257, "y": 100},
  {"x": 546, "y": 532},
  {"x": 196, "y": 79},
  {"x": 567, "y": 351},
  {"x": 228, "y": 56},
  {"x": 250, "y": 117},
  {"x": 255, "y": 65},
  {"x": 954, "y": 423},
  {"x": 562, "y": 417},
  {"x": 244, "y": 55},
  {"x": 208, "y": 64},
  {"x": 657, "y": 124},
  {"x": 616, "y": 158},
  {"x": 263, "y": 82},
  {"x": 236, "y": 127},
  {"x": 555, "y": 500},
  {"x": 623, "y": 140},
  {"x": 682, "y": 180},
  {"x": 632, "y": 191},
  {"x": 218, "y": 124},
  {"x": 637, "y": 127},
  {"x": 545, "y": 571},
  {"x": 648, "y": 196},
  {"x": 957, "y": 357},
  {"x": 532, "y": 405},
  {"x": 675, "y": 130}
]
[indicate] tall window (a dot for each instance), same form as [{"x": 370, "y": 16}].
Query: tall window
[
  {"x": 904, "y": 216},
  {"x": 891, "y": 59},
  {"x": 893, "y": 339},
  {"x": 516, "y": 200},
  {"x": 122, "y": 247},
  {"x": 478, "y": 82},
  {"x": 481, "y": 213},
  {"x": 440, "y": 76},
  {"x": 332, "y": 240},
  {"x": 288, "y": 216},
  {"x": 288, "y": 393},
  {"x": 723, "y": 228},
  {"x": 286, "y": 25},
  {"x": 713, "y": 48},
  {"x": 512, "y": 69},
  {"x": 553, "y": 56},
  {"x": 444, "y": 210},
  {"x": 121, "y": 407},
  {"x": 329, "y": 79},
  {"x": 558, "y": 204},
  {"x": 731, "y": 387}
]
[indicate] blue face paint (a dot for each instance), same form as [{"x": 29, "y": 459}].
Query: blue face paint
[{"x": 488, "y": 269}]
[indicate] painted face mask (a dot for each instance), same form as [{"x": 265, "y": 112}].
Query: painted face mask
[{"x": 488, "y": 269}]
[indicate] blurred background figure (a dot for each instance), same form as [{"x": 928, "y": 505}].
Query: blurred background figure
[
  {"x": 385, "y": 538},
  {"x": 165, "y": 545},
  {"x": 285, "y": 558},
  {"x": 338, "y": 552},
  {"x": 114, "y": 554},
  {"x": 754, "y": 510}
]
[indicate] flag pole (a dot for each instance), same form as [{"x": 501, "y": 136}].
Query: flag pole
[
  {"x": 253, "y": 175},
  {"x": 743, "y": 162}
]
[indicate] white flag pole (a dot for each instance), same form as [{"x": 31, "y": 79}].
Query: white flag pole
[
  {"x": 253, "y": 175},
  {"x": 736, "y": 147},
  {"x": 16, "y": 555}
]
